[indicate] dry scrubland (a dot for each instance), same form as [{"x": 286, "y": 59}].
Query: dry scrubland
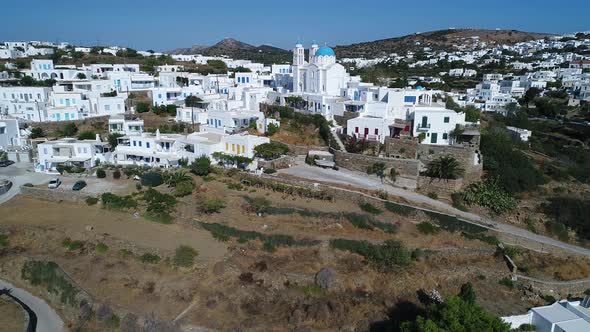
[{"x": 258, "y": 284}]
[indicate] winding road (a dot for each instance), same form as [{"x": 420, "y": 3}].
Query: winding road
[
  {"x": 360, "y": 180},
  {"x": 47, "y": 320}
]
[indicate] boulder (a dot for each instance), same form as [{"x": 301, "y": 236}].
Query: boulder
[{"x": 326, "y": 278}]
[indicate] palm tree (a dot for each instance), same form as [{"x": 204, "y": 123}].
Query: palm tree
[
  {"x": 446, "y": 168},
  {"x": 175, "y": 178}
]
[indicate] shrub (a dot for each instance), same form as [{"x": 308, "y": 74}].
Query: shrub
[
  {"x": 399, "y": 209},
  {"x": 48, "y": 275},
  {"x": 184, "y": 256},
  {"x": 269, "y": 171},
  {"x": 100, "y": 173},
  {"x": 258, "y": 204},
  {"x": 367, "y": 222},
  {"x": 28, "y": 184},
  {"x": 557, "y": 229},
  {"x": 432, "y": 195},
  {"x": 549, "y": 299},
  {"x": 150, "y": 258},
  {"x": 388, "y": 256},
  {"x": 570, "y": 212},
  {"x": 3, "y": 241},
  {"x": 427, "y": 228},
  {"x": 445, "y": 168},
  {"x": 102, "y": 248},
  {"x": 212, "y": 205},
  {"x": 271, "y": 150},
  {"x": 490, "y": 195},
  {"x": 526, "y": 328},
  {"x": 72, "y": 244},
  {"x": 489, "y": 239},
  {"x": 152, "y": 179},
  {"x": 458, "y": 202},
  {"x": 201, "y": 166},
  {"x": 124, "y": 253},
  {"x": 87, "y": 135},
  {"x": 184, "y": 188},
  {"x": 370, "y": 208},
  {"x": 507, "y": 282},
  {"x": 114, "y": 202},
  {"x": 91, "y": 200},
  {"x": 117, "y": 174}
]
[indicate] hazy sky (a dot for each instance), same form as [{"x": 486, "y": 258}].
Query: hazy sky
[{"x": 162, "y": 25}]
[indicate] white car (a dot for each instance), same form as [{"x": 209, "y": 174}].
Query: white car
[{"x": 54, "y": 183}]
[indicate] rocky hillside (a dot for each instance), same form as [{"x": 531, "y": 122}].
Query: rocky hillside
[
  {"x": 239, "y": 50},
  {"x": 436, "y": 40}
]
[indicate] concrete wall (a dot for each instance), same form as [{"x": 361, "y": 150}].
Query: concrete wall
[
  {"x": 282, "y": 162},
  {"x": 302, "y": 150},
  {"x": 469, "y": 157},
  {"x": 54, "y": 194},
  {"x": 408, "y": 168}
]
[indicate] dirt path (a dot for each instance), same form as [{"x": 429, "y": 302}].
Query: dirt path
[{"x": 306, "y": 172}]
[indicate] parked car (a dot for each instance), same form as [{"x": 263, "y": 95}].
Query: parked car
[
  {"x": 79, "y": 185},
  {"x": 5, "y": 163},
  {"x": 54, "y": 183}
]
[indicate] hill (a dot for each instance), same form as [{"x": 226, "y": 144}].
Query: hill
[
  {"x": 239, "y": 50},
  {"x": 436, "y": 40}
]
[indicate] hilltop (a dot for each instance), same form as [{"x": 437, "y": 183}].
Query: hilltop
[
  {"x": 436, "y": 40},
  {"x": 234, "y": 48}
]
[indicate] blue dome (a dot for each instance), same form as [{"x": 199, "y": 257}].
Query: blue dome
[{"x": 325, "y": 51}]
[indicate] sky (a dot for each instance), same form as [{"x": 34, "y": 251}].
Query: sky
[{"x": 164, "y": 25}]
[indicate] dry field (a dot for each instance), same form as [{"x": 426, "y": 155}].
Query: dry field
[
  {"x": 235, "y": 284},
  {"x": 12, "y": 316}
]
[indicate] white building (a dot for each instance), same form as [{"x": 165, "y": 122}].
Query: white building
[
  {"x": 562, "y": 316},
  {"x": 119, "y": 124},
  {"x": 10, "y": 134},
  {"x": 26, "y": 103},
  {"x": 436, "y": 123},
  {"x": 72, "y": 152}
]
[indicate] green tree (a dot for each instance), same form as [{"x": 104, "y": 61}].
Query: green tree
[
  {"x": 271, "y": 150},
  {"x": 455, "y": 315},
  {"x": 81, "y": 76},
  {"x": 37, "y": 132},
  {"x": 87, "y": 135},
  {"x": 446, "y": 168},
  {"x": 192, "y": 101},
  {"x": 467, "y": 293},
  {"x": 175, "y": 178},
  {"x": 68, "y": 130},
  {"x": 201, "y": 166},
  {"x": 142, "y": 107},
  {"x": 271, "y": 129},
  {"x": 113, "y": 140},
  {"x": 529, "y": 96}
]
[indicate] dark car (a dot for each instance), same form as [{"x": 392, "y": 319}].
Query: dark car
[
  {"x": 4, "y": 163},
  {"x": 79, "y": 185}
]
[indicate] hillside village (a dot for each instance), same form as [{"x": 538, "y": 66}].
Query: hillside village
[{"x": 473, "y": 145}]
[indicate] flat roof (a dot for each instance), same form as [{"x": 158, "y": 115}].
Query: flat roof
[
  {"x": 555, "y": 313},
  {"x": 574, "y": 325}
]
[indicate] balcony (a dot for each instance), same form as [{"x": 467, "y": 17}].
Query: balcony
[{"x": 423, "y": 127}]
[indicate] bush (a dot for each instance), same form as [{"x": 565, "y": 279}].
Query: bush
[
  {"x": 48, "y": 275},
  {"x": 91, "y": 200},
  {"x": 269, "y": 171},
  {"x": 3, "y": 241},
  {"x": 489, "y": 239},
  {"x": 28, "y": 184},
  {"x": 152, "y": 179},
  {"x": 399, "y": 209},
  {"x": 114, "y": 202},
  {"x": 258, "y": 204},
  {"x": 557, "y": 229},
  {"x": 150, "y": 258},
  {"x": 570, "y": 212},
  {"x": 271, "y": 150},
  {"x": 388, "y": 256},
  {"x": 72, "y": 244},
  {"x": 201, "y": 166},
  {"x": 212, "y": 205},
  {"x": 124, "y": 253},
  {"x": 507, "y": 282},
  {"x": 184, "y": 188},
  {"x": 100, "y": 173},
  {"x": 117, "y": 174},
  {"x": 490, "y": 195},
  {"x": 102, "y": 248},
  {"x": 432, "y": 195},
  {"x": 370, "y": 208},
  {"x": 427, "y": 228},
  {"x": 367, "y": 222},
  {"x": 87, "y": 135},
  {"x": 184, "y": 256}
]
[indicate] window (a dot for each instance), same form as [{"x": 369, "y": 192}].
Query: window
[
  {"x": 376, "y": 131},
  {"x": 226, "y": 147},
  {"x": 107, "y": 107},
  {"x": 140, "y": 143},
  {"x": 356, "y": 129},
  {"x": 447, "y": 119},
  {"x": 147, "y": 145},
  {"x": 134, "y": 143},
  {"x": 409, "y": 99},
  {"x": 445, "y": 136}
]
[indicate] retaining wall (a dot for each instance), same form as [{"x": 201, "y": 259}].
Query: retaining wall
[
  {"x": 55, "y": 195},
  {"x": 408, "y": 168}
]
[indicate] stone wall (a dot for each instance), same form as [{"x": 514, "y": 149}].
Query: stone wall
[
  {"x": 401, "y": 148},
  {"x": 469, "y": 157},
  {"x": 405, "y": 167},
  {"x": 302, "y": 150},
  {"x": 428, "y": 184},
  {"x": 54, "y": 194},
  {"x": 282, "y": 162}
]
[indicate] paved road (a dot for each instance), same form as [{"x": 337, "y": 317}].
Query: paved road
[
  {"x": 361, "y": 180},
  {"x": 19, "y": 174},
  {"x": 47, "y": 319}
]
